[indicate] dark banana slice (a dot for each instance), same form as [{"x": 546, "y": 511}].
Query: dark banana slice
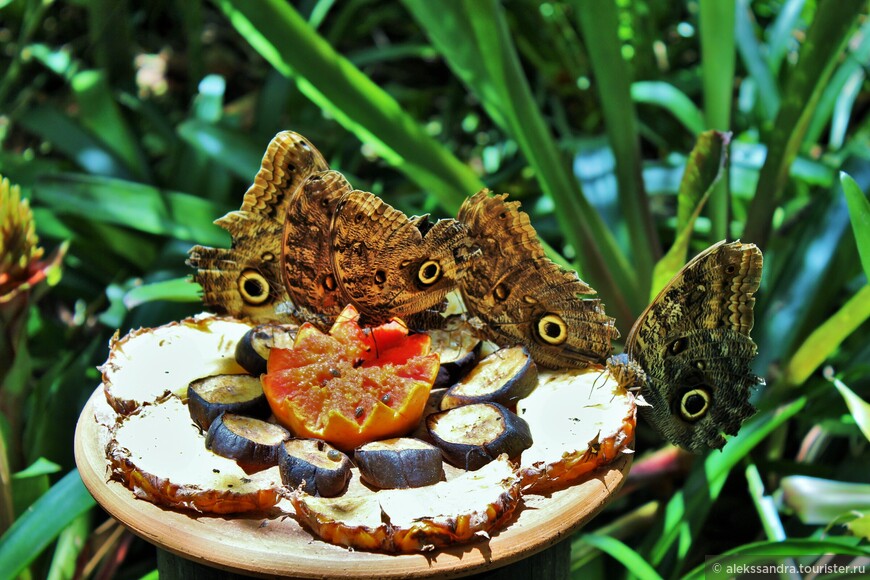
[
  {"x": 253, "y": 349},
  {"x": 208, "y": 397},
  {"x": 458, "y": 348},
  {"x": 318, "y": 467},
  {"x": 399, "y": 463},
  {"x": 251, "y": 442},
  {"x": 473, "y": 435},
  {"x": 505, "y": 377}
]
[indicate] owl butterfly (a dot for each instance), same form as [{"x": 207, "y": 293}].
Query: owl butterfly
[
  {"x": 246, "y": 280},
  {"x": 690, "y": 350},
  {"x": 387, "y": 264},
  {"x": 519, "y": 296}
]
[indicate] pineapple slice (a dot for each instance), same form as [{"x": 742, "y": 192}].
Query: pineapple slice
[
  {"x": 159, "y": 454},
  {"x": 580, "y": 419},
  {"x": 147, "y": 363},
  {"x": 417, "y": 519}
]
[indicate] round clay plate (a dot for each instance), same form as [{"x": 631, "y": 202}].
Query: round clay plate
[{"x": 274, "y": 543}]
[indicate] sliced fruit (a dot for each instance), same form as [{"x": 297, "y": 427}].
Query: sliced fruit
[
  {"x": 353, "y": 385},
  {"x": 458, "y": 348},
  {"x": 251, "y": 442},
  {"x": 253, "y": 349},
  {"x": 504, "y": 377},
  {"x": 209, "y": 397},
  {"x": 419, "y": 519},
  {"x": 473, "y": 435},
  {"x": 581, "y": 419},
  {"x": 314, "y": 466},
  {"x": 147, "y": 363},
  {"x": 399, "y": 463},
  {"x": 160, "y": 455}
]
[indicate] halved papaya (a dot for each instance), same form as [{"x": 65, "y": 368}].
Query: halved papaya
[{"x": 353, "y": 385}]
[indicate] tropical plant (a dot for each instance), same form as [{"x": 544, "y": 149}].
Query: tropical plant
[{"x": 129, "y": 127}]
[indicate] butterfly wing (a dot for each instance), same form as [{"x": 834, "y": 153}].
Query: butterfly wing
[
  {"x": 245, "y": 280},
  {"x": 390, "y": 265},
  {"x": 521, "y": 297},
  {"x": 307, "y": 266},
  {"x": 693, "y": 343}
]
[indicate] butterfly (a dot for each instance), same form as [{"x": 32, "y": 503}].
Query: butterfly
[
  {"x": 246, "y": 280},
  {"x": 305, "y": 244},
  {"x": 516, "y": 295},
  {"x": 690, "y": 351}
]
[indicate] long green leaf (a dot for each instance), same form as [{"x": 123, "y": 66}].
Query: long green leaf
[
  {"x": 133, "y": 205},
  {"x": 751, "y": 54},
  {"x": 622, "y": 553},
  {"x": 74, "y": 141},
  {"x": 687, "y": 510},
  {"x": 232, "y": 149},
  {"x": 780, "y": 34},
  {"x": 599, "y": 23},
  {"x": 859, "y": 408},
  {"x": 826, "y": 338},
  {"x": 292, "y": 46},
  {"x": 717, "y": 76},
  {"x": 42, "y": 522},
  {"x": 673, "y": 100},
  {"x": 475, "y": 40},
  {"x": 842, "y": 84},
  {"x": 99, "y": 112},
  {"x": 825, "y": 40},
  {"x": 705, "y": 167},
  {"x": 859, "y": 213}
]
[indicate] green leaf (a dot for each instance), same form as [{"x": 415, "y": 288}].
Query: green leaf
[
  {"x": 632, "y": 561},
  {"x": 133, "y": 205},
  {"x": 717, "y": 34},
  {"x": 826, "y": 338},
  {"x": 818, "y": 501},
  {"x": 74, "y": 141},
  {"x": 599, "y": 23},
  {"x": 100, "y": 114},
  {"x": 839, "y": 93},
  {"x": 41, "y": 466},
  {"x": 477, "y": 44},
  {"x": 687, "y": 510},
  {"x": 860, "y": 526},
  {"x": 292, "y": 46},
  {"x": 70, "y": 544},
  {"x": 754, "y": 60},
  {"x": 859, "y": 213},
  {"x": 41, "y": 524},
  {"x": 177, "y": 290},
  {"x": 673, "y": 100},
  {"x": 859, "y": 408},
  {"x": 231, "y": 149},
  {"x": 703, "y": 170},
  {"x": 828, "y": 34}
]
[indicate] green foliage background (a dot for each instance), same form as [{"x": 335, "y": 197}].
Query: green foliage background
[{"x": 131, "y": 126}]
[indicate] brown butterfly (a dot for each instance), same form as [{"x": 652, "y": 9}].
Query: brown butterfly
[
  {"x": 690, "y": 350},
  {"x": 305, "y": 244},
  {"x": 246, "y": 280},
  {"x": 388, "y": 264},
  {"x": 519, "y": 296}
]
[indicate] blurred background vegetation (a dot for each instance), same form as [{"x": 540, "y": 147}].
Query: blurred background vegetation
[{"x": 130, "y": 126}]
